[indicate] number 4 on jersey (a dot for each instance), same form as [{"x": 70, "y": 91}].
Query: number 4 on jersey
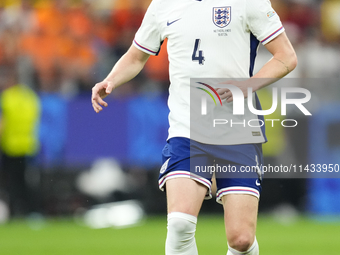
[{"x": 197, "y": 55}]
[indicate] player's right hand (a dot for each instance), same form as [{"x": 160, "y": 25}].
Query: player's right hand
[{"x": 99, "y": 92}]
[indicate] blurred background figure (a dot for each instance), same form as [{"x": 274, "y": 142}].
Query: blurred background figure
[{"x": 20, "y": 114}]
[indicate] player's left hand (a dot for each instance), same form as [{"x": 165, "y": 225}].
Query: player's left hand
[{"x": 225, "y": 93}]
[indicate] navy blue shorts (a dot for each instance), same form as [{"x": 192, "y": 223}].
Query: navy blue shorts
[{"x": 237, "y": 168}]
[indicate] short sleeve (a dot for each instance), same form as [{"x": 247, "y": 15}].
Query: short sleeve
[
  {"x": 148, "y": 37},
  {"x": 263, "y": 21}
]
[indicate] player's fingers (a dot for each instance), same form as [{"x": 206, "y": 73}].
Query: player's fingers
[
  {"x": 95, "y": 105},
  {"x": 230, "y": 99},
  {"x": 101, "y": 102},
  {"x": 95, "y": 92},
  {"x": 225, "y": 95},
  {"x": 109, "y": 87},
  {"x": 97, "y": 108},
  {"x": 221, "y": 91},
  {"x": 99, "y": 88},
  {"x": 96, "y": 98}
]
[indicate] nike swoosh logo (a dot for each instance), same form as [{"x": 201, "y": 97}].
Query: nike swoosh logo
[
  {"x": 257, "y": 183},
  {"x": 169, "y": 23}
]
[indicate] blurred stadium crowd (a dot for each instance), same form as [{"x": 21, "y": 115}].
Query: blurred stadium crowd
[
  {"x": 61, "y": 48},
  {"x": 66, "y": 46}
]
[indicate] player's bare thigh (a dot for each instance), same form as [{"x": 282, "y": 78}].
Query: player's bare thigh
[
  {"x": 240, "y": 216},
  {"x": 185, "y": 195}
]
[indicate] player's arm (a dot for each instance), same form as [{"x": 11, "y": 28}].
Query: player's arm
[
  {"x": 127, "y": 67},
  {"x": 284, "y": 61}
]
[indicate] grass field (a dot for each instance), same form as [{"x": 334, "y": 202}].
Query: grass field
[{"x": 60, "y": 236}]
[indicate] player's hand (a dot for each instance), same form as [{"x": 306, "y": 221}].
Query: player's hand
[
  {"x": 99, "y": 92},
  {"x": 225, "y": 93}
]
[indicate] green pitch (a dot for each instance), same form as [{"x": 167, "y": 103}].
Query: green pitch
[{"x": 55, "y": 237}]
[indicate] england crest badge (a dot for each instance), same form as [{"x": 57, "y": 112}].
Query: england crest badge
[{"x": 222, "y": 16}]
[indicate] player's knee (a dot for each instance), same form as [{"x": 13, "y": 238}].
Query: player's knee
[
  {"x": 179, "y": 226},
  {"x": 241, "y": 242},
  {"x": 181, "y": 230}
]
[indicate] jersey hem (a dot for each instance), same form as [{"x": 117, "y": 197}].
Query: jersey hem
[
  {"x": 236, "y": 190},
  {"x": 273, "y": 35},
  {"x": 144, "y": 49},
  {"x": 185, "y": 174}
]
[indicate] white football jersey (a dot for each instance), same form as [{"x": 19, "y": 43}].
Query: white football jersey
[{"x": 208, "y": 39}]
